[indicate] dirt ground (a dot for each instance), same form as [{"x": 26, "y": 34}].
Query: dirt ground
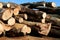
[{"x": 28, "y": 38}]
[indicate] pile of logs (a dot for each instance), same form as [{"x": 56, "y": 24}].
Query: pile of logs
[{"x": 16, "y": 19}]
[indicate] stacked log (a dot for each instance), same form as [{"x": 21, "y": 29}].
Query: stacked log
[
  {"x": 35, "y": 4},
  {"x": 50, "y": 6},
  {"x": 16, "y": 19}
]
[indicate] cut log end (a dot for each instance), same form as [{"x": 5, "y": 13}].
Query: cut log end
[
  {"x": 5, "y": 26},
  {"x": 7, "y": 14},
  {"x": 53, "y": 4},
  {"x": 44, "y": 15},
  {"x": 25, "y": 16},
  {"x": 43, "y": 21},
  {"x": 1, "y": 5},
  {"x": 26, "y": 29},
  {"x": 18, "y": 26},
  {"x": 45, "y": 29},
  {"x": 19, "y": 7},
  {"x": 8, "y": 5},
  {"x": 21, "y": 20},
  {"x": 44, "y": 4},
  {"x": 16, "y": 11},
  {"x": 11, "y": 21},
  {"x": 1, "y": 28}
]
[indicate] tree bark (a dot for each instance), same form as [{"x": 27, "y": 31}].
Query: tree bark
[
  {"x": 33, "y": 5},
  {"x": 30, "y": 11},
  {"x": 24, "y": 16},
  {"x": 54, "y": 19}
]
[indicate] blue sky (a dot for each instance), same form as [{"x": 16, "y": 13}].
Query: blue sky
[{"x": 24, "y": 1}]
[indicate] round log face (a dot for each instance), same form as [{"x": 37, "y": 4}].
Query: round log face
[
  {"x": 11, "y": 21},
  {"x": 45, "y": 28},
  {"x": 25, "y": 16},
  {"x": 53, "y": 4},
  {"x": 16, "y": 11},
  {"x": 43, "y": 20},
  {"x": 7, "y": 14},
  {"x": 44, "y": 4},
  {"x": 44, "y": 15},
  {"x": 26, "y": 29},
  {"x": 8, "y": 5},
  {"x": 20, "y": 20},
  {"x": 1, "y": 5}
]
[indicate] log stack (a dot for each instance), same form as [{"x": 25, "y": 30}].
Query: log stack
[{"x": 16, "y": 19}]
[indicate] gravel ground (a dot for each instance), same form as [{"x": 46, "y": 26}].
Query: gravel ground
[{"x": 28, "y": 38}]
